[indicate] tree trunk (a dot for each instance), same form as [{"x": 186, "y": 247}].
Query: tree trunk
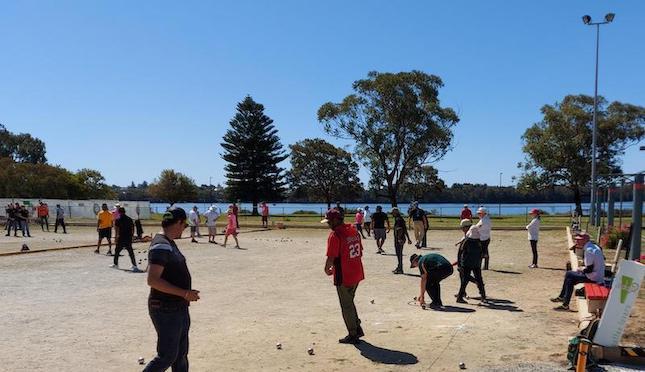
[
  {"x": 577, "y": 199},
  {"x": 255, "y": 209},
  {"x": 392, "y": 194}
]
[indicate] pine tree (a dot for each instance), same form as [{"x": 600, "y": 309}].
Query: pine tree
[{"x": 253, "y": 151}]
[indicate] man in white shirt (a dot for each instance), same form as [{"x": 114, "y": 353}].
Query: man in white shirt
[
  {"x": 592, "y": 272},
  {"x": 484, "y": 227},
  {"x": 211, "y": 216},
  {"x": 367, "y": 220},
  {"x": 193, "y": 222}
]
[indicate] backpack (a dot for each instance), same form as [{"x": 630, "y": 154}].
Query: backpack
[{"x": 586, "y": 335}]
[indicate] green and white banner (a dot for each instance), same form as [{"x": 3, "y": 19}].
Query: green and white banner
[{"x": 624, "y": 291}]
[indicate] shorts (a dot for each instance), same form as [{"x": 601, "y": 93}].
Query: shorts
[
  {"x": 105, "y": 233},
  {"x": 212, "y": 230},
  {"x": 231, "y": 231},
  {"x": 193, "y": 229},
  {"x": 379, "y": 234}
]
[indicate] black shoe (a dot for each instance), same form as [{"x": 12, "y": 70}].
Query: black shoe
[
  {"x": 349, "y": 340},
  {"x": 360, "y": 332},
  {"x": 557, "y": 299},
  {"x": 397, "y": 271},
  {"x": 194, "y": 241},
  {"x": 435, "y": 306},
  {"x": 461, "y": 300},
  {"x": 562, "y": 307}
]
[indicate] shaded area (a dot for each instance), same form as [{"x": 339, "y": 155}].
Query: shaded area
[
  {"x": 415, "y": 275},
  {"x": 454, "y": 309},
  {"x": 551, "y": 268},
  {"x": 506, "y": 272},
  {"x": 385, "y": 356}
]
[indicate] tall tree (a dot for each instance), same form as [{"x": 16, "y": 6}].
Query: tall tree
[
  {"x": 422, "y": 181},
  {"x": 22, "y": 148},
  {"x": 322, "y": 171},
  {"x": 92, "y": 184},
  {"x": 253, "y": 151},
  {"x": 558, "y": 148},
  {"x": 173, "y": 187},
  {"x": 397, "y": 123}
]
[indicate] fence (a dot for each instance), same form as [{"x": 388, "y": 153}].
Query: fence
[{"x": 79, "y": 208}]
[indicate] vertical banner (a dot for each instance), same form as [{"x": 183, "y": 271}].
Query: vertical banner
[{"x": 624, "y": 290}]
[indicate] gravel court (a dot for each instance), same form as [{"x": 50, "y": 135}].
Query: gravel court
[{"x": 67, "y": 310}]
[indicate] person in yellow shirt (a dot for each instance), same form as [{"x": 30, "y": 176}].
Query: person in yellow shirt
[{"x": 104, "y": 228}]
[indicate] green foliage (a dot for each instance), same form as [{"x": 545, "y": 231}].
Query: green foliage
[
  {"x": 22, "y": 148},
  {"x": 173, "y": 187},
  {"x": 609, "y": 240},
  {"x": 92, "y": 186},
  {"x": 323, "y": 172},
  {"x": 253, "y": 151},
  {"x": 423, "y": 181},
  {"x": 558, "y": 148},
  {"x": 397, "y": 123}
]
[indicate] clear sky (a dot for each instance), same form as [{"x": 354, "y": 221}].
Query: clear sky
[{"x": 133, "y": 87}]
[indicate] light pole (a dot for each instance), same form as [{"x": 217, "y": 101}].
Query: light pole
[
  {"x": 499, "y": 210},
  {"x": 609, "y": 17}
]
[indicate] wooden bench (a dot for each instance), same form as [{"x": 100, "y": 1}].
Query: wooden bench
[{"x": 596, "y": 296}]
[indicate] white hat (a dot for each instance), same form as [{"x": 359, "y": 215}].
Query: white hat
[
  {"x": 482, "y": 210},
  {"x": 465, "y": 223}
]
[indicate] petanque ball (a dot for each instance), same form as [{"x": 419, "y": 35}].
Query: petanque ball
[
  {"x": 310, "y": 351},
  {"x": 278, "y": 346},
  {"x": 141, "y": 360},
  {"x": 462, "y": 365}
]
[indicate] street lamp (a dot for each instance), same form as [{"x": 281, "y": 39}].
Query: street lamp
[
  {"x": 499, "y": 210},
  {"x": 588, "y": 21}
]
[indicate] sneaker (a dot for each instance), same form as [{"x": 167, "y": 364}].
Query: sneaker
[
  {"x": 557, "y": 299},
  {"x": 349, "y": 340},
  {"x": 533, "y": 266},
  {"x": 461, "y": 300},
  {"x": 109, "y": 253},
  {"x": 562, "y": 307},
  {"x": 96, "y": 251},
  {"x": 136, "y": 269},
  {"x": 113, "y": 266},
  {"x": 194, "y": 241},
  {"x": 397, "y": 271},
  {"x": 435, "y": 306}
]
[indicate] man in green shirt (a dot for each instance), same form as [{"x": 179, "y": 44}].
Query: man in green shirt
[{"x": 434, "y": 268}]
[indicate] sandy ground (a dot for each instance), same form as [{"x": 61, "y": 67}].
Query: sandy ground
[{"x": 66, "y": 310}]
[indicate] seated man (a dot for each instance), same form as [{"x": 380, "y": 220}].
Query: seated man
[{"x": 593, "y": 270}]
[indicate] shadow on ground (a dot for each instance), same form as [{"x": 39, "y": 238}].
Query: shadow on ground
[{"x": 385, "y": 356}]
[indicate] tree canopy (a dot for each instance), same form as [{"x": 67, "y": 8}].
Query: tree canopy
[
  {"x": 558, "y": 148},
  {"x": 253, "y": 151},
  {"x": 397, "y": 123},
  {"x": 323, "y": 172},
  {"x": 21, "y": 148},
  {"x": 173, "y": 187}
]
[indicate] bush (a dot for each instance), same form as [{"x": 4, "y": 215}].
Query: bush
[{"x": 609, "y": 240}]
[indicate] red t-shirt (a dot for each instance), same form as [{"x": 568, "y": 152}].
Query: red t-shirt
[
  {"x": 344, "y": 246},
  {"x": 466, "y": 214}
]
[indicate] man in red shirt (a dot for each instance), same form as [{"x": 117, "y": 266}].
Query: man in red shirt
[
  {"x": 344, "y": 252},
  {"x": 466, "y": 213}
]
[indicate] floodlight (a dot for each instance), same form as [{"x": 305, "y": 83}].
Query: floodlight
[
  {"x": 586, "y": 19},
  {"x": 609, "y": 17}
]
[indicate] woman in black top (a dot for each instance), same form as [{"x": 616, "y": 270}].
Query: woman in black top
[{"x": 400, "y": 236}]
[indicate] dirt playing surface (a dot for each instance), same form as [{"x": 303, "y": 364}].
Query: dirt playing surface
[{"x": 66, "y": 310}]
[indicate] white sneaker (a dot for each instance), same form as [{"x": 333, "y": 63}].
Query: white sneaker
[
  {"x": 113, "y": 266},
  {"x": 136, "y": 270}
]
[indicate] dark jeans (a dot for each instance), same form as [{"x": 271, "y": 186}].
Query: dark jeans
[
  {"x": 24, "y": 226},
  {"x": 10, "y": 224},
  {"x": 347, "y": 307},
  {"x": 127, "y": 245},
  {"x": 466, "y": 277},
  {"x": 485, "y": 244},
  {"x": 571, "y": 278},
  {"x": 433, "y": 288},
  {"x": 60, "y": 222},
  {"x": 172, "y": 323},
  {"x": 534, "y": 249},
  {"x": 359, "y": 228},
  {"x": 398, "y": 247},
  {"x": 44, "y": 222}
]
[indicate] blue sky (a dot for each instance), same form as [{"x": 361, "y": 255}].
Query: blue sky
[{"x": 130, "y": 88}]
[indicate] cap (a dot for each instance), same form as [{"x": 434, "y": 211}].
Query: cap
[
  {"x": 413, "y": 258},
  {"x": 331, "y": 215},
  {"x": 174, "y": 214},
  {"x": 117, "y": 205},
  {"x": 465, "y": 205},
  {"x": 582, "y": 235},
  {"x": 534, "y": 211},
  {"x": 482, "y": 210},
  {"x": 465, "y": 223}
]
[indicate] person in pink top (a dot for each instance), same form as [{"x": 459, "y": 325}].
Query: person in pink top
[
  {"x": 231, "y": 227},
  {"x": 358, "y": 221},
  {"x": 265, "y": 215}
]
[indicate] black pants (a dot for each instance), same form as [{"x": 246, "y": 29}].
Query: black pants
[
  {"x": 44, "y": 222},
  {"x": 359, "y": 228},
  {"x": 534, "y": 249},
  {"x": 172, "y": 323},
  {"x": 368, "y": 228},
  {"x": 466, "y": 277},
  {"x": 60, "y": 222},
  {"x": 121, "y": 245},
  {"x": 398, "y": 247},
  {"x": 485, "y": 256},
  {"x": 433, "y": 288},
  {"x": 10, "y": 224}
]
